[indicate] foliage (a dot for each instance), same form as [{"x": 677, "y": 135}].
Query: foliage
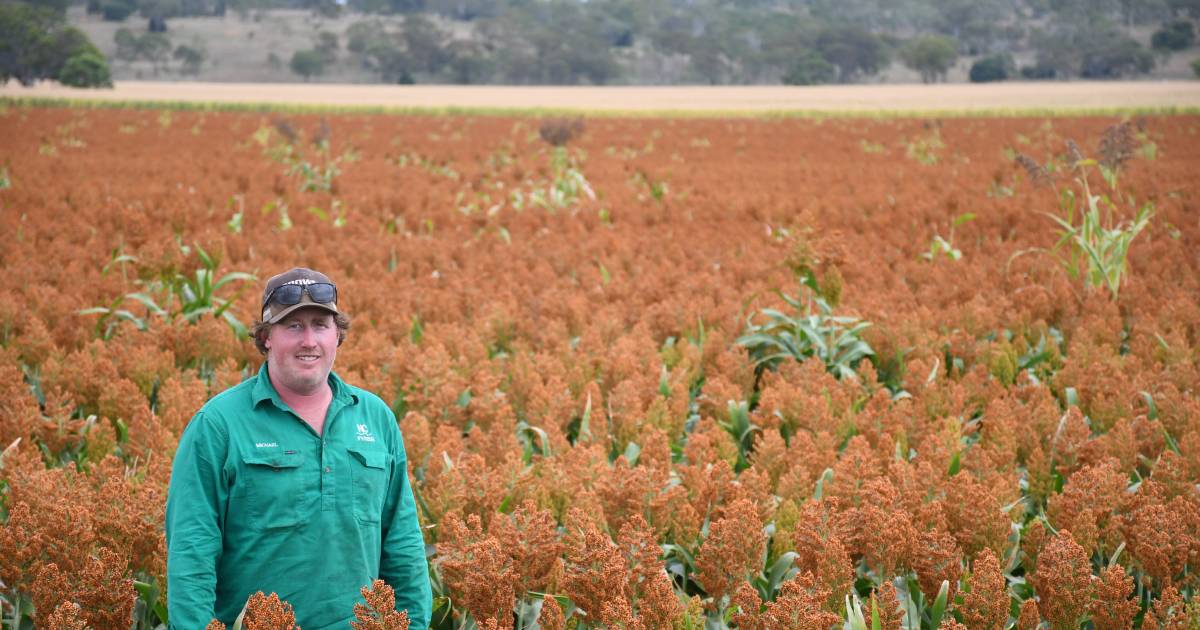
[
  {"x": 1097, "y": 245},
  {"x": 853, "y": 50},
  {"x": 705, "y": 41},
  {"x": 1090, "y": 51},
  {"x": 152, "y": 47},
  {"x": 992, "y": 68},
  {"x": 1038, "y": 71},
  {"x": 1118, "y": 57},
  {"x": 558, "y": 45},
  {"x": 809, "y": 68},
  {"x": 930, "y": 55},
  {"x": 812, "y": 331},
  {"x": 1196, "y": 67},
  {"x": 190, "y": 58},
  {"x": 1174, "y": 36},
  {"x": 117, "y": 10},
  {"x": 327, "y": 46},
  {"x": 307, "y": 63},
  {"x": 312, "y": 163},
  {"x": 980, "y": 25},
  {"x": 177, "y": 295},
  {"x": 157, "y": 11},
  {"x": 1098, "y": 248},
  {"x": 940, "y": 246},
  {"x": 924, "y": 148},
  {"x": 417, "y": 48},
  {"x": 567, "y": 185},
  {"x": 36, "y": 43},
  {"x": 128, "y": 44},
  {"x": 85, "y": 70}
]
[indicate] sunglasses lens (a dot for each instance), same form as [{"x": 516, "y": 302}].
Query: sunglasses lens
[
  {"x": 322, "y": 293},
  {"x": 288, "y": 294}
]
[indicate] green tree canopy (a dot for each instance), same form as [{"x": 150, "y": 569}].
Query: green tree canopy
[
  {"x": 853, "y": 50},
  {"x": 85, "y": 70},
  {"x": 1174, "y": 36},
  {"x": 992, "y": 68},
  {"x": 36, "y": 43},
  {"x": 930, "y": 55},
  {"x": 809, "y": 68},
  {"x": 307, "y": 63}
]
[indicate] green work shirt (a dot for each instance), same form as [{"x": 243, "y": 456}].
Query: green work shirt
[{"x": 259, "y": 501}]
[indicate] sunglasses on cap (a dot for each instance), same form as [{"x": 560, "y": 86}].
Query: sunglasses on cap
[{"x": 289, "y": 294}]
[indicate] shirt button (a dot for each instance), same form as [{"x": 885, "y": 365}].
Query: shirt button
[{"x": 328, "y": 469}]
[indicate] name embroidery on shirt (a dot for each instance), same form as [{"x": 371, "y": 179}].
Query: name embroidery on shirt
[{"x": 266, "y": 445}]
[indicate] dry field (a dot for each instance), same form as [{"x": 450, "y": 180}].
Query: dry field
[
  {"x": 768, "y": 373},
  {"x": 1001, "y": 97}
]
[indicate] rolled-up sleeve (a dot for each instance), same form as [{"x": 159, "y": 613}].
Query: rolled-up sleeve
[
  {"x": 196, "y": 502},
  {"x": 402, "y": 563}
]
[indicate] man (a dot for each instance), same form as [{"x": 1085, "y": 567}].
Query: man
[{"x": 293, "y": 482}]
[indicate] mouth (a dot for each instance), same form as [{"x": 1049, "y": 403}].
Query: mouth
[{"x": 307, "y": 358}]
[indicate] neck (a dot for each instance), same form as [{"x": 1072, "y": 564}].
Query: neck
[
  {"x": 295, "y": 399},
  {"x": 310, "y": 406}
]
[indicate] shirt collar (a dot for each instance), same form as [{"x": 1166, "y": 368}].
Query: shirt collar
[{"x": 264, "y": 390}]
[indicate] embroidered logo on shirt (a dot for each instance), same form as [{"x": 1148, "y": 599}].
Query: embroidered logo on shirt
[
  {"x": 364, "y": 434},
  {"x": 266, "y": 445}
]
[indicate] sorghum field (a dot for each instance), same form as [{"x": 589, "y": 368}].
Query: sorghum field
[{"x": 762, "y": 373}]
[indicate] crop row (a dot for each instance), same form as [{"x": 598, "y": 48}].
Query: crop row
[{"x": 650, "y": 372}]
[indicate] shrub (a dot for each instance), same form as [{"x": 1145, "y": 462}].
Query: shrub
[
  {"x": 1038, "y": 71},
  {"x": 86, "y": 70},
  {"x": 1173, "y": 36},
  {"x": 993, "y": 68}
]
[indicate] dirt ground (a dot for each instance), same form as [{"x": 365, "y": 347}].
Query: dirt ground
[{"x": 849, "y": 98}]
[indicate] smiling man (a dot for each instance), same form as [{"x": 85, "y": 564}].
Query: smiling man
[{"x": 293, "y": 482}]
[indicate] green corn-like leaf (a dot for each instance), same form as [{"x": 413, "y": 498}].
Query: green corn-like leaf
[
  {"x": 939, "y": 605},
  {"x": 148, "y": 302},
  {"x": 825, "y": 478},
  {"x": 854, "y": 614}
]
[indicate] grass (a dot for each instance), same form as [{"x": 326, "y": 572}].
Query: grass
[{"x": 395, "y": 110}]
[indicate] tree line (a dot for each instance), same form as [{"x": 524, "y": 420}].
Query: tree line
[
  {"x": 752, "y": 41},
  {"x": 697, "y": 41}
]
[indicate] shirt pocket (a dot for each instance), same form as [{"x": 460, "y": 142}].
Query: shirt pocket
[
  {"x": 369, "y": 479},
  {"x": 274, "y": 490}
]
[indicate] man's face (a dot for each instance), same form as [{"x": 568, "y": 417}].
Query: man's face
[{"x": 301, "y": 350}]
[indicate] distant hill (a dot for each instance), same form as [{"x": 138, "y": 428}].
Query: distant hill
[{"x": 566, "y": 42}]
